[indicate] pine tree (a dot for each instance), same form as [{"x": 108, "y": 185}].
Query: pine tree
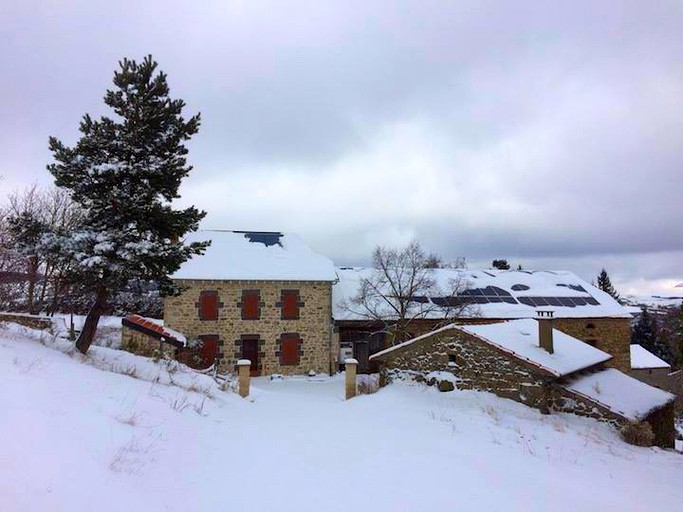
[
  {"x": 605, "y": 284},
  {"x": 644, "y": 333},
  {"x": 125, "y": 172}
]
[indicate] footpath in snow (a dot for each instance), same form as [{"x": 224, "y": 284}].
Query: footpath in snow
[{"x": 114, "y": 431}]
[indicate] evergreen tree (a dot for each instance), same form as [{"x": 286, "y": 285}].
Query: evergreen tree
[
  {"x": 605, "y": 284},
  {"x": 644, "y": 333},
  {"x": 501, "y": 264},
  {"x": 125, "y": 172}
]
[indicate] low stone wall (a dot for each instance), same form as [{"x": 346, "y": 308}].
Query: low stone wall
[
  {"x": 34, "y": 322},
  {"x": 138, "y": 343}
]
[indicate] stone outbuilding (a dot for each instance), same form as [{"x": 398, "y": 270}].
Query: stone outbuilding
[
  {"x": 532, "y": 362},
  {"x": 148, "y": 337},
  {"x": 261, "y": 296}
]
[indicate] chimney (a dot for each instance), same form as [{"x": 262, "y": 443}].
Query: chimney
[{"x": 545, "y": 330}]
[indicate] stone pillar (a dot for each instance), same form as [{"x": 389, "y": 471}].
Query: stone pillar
[
  {"x": 351, "y": 366},
  {"x": 243, "y": 367}
]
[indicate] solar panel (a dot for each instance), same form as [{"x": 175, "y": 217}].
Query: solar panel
[
  {"x": 519, "y": 287},
  {"x": 266, "y": 238},
  {"x": 419, "y": 298}
]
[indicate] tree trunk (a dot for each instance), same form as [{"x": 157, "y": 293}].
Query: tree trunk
[
  {"x": 32, "y": 278},
  {"x": 87, "y": 334}
]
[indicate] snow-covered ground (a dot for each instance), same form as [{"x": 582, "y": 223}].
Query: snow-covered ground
[{"x": 114, "y": 431}]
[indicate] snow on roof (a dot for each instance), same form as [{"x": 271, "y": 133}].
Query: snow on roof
[
  {"x": 642, "y": 358},
  {"x": 252, "y": 255},
  {"x": 520, "y": 338},
  {"x": 499, "y": 293},
  {"x": 620, "y": 393}
]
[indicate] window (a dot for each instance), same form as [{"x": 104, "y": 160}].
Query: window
[
  {"x": 290, "y": 349},
  {"x": 251, "y": 307},
  {"x": 290, "y": 304},
  {"x": 208, "y": 305}
]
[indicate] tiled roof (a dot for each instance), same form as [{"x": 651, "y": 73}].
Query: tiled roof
[{"x": 146, "y": 326}]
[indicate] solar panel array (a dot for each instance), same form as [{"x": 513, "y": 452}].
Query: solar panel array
[
  {"x": 567, "y": 302},
  {"x": 493, "y": 295}
]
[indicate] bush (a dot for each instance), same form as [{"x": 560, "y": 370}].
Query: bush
[{"x": 638, "y": 433}]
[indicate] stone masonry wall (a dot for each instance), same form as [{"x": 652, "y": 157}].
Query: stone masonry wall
[
  {"x": 476, "y": 365},
  {"x": 313, "y": 325},
  {"x": 611, "y": 335},
  {"x": 143, "y": 345},
  {"x": 32, "y": 321}
]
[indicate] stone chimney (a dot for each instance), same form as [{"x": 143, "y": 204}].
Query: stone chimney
[{"x": 545, "y": 330}]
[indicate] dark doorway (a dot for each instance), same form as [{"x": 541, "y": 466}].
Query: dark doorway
[{"x": 250, "y": 350}]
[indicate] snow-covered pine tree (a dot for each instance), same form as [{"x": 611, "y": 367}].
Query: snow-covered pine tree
[
  {"x": 644, "y": 333},
  {"x": 605, "y": 284},
  {"x": 125, "y": 172}
]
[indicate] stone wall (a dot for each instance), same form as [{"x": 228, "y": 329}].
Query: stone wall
[
  {"x": 144, "y": 345},
  {"x": 657, "y": 377},
  {"x": 475, "y": 364},
  {"x": 32, "y": 321},
  {"x": 611, "y": 335},
  {"x": 318, "y": 350}
]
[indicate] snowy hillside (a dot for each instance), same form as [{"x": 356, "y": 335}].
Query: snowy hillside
[{"x": 116, "y": 432}]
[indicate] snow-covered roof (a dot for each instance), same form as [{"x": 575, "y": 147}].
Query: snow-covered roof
[
  {"x": 255, "y": 256},
  {"x": 620, "y": 393},
  {"x": 519, "y": 338},
  {"x": 496, "y": 294},
  {"x": 644, "y": 359}
]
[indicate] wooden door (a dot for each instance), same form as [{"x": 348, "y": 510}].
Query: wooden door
[
  {"x": 250, "y": 351},
  {"x": 361, "y": 354},
  {"x": 209, "y": 349}
]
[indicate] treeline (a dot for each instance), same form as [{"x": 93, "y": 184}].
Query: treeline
[
  {"x": 661, "y": 332},
  {"x": 36, "y": 276}
]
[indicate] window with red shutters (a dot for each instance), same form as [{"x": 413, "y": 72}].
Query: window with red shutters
[
  {"x": 289, "y": 349},
  {"x": 250, "y": 305},
  {"x": 290, "y": 304},
  {"x": 208, "y": 305}
]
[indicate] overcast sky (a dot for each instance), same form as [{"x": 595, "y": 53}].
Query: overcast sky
[{"x": 547, "y": 133}]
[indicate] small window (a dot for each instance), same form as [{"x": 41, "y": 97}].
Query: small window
[
  {"x": 250, "y": 305},
  {"x": 590, "y": 326},
  {"x": 290, "y": 304},
  {"x": 452, "y": 360},
  {"x": 289, "y": 349},
  {"x": 208, "y": 305}
]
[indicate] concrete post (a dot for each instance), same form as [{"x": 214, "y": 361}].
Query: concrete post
[
  {"x": 351, "y": 367},
  {"x": 243, "y": 367}
]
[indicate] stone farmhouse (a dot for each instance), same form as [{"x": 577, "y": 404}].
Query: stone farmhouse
[
  {"x": 580, "y": 309},
  {"x": 262, "y": 296},
  {"x": 532, "y": 362}
]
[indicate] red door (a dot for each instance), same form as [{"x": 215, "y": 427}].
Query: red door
[
  {"x": 209, "y": 349},
  {"x": 250, "y": 351}
]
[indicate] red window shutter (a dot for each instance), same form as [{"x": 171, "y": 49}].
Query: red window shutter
[
  {"x": 250, "y": 306},
  {"x": 290, "y": 304},
  {"x": 208, "y": 305},
  {"x": 289, "y": 350}
]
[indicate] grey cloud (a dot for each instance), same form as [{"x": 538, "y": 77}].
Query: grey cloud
[{"x": 539, "y": 130}]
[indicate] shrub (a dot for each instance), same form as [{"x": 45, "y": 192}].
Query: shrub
[{"x": 638, "y": 433}]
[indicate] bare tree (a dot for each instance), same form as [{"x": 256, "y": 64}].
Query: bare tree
[
  {"x": 402, "y": 289},
  {"x": 32, "y": 218}
]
